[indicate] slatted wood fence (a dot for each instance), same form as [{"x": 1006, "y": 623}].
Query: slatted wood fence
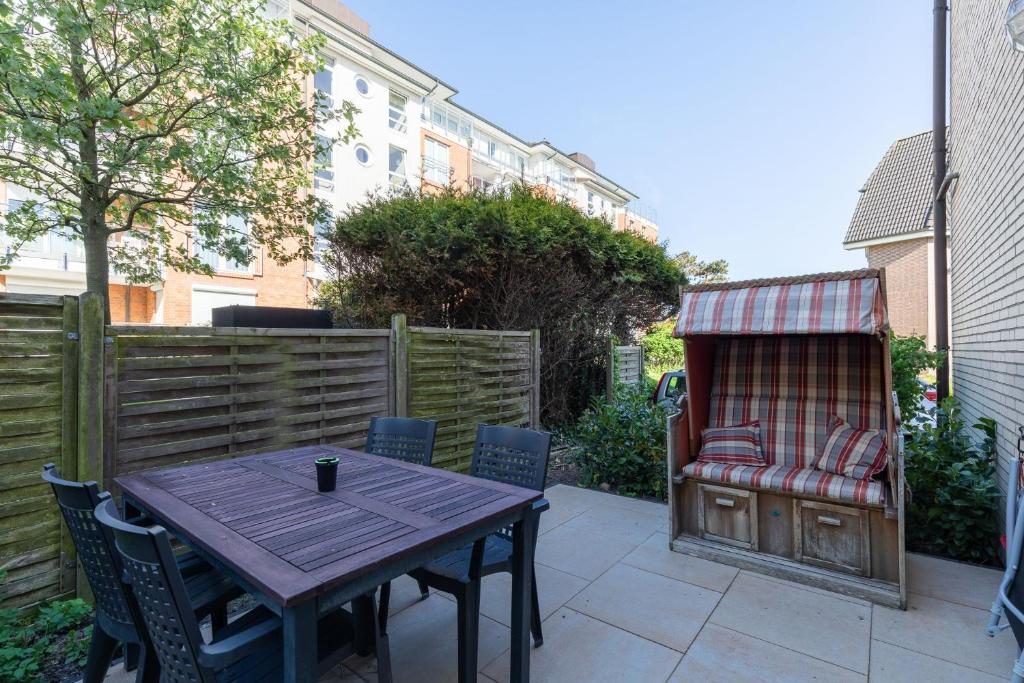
[
  {"x": 37, "y": 426},
  {"x": 625, "y": 366}
]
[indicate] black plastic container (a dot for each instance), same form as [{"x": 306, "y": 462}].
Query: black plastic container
[{"x": 326, "y": 474}]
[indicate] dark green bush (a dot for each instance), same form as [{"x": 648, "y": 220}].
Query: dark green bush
[
  {"x": 509, "y": 260},
  {"x": 910, "y": 357},
  {"x": 954, "y": 495},
  {"x": 622, "y": 444},
  {"x": 661, "y": 349}
]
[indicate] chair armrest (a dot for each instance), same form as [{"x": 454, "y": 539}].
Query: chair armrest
[
  {"x": 541, "y": 505},
  {"x": 223, "y": 653}
]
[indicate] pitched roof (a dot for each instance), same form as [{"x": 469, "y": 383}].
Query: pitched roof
[{"x": 897, "y": 197}]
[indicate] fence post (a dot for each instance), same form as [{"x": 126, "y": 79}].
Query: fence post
[
  {"x": 90, "y": 384},
  {"x": 535, "y": 378},
  {"x": 69, "y": 432},
  {"x": 610, "y": 375},
  {"x": 400, "y": 350}
]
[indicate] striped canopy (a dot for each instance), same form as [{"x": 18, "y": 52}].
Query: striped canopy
[{"x": 850, "y": 302}]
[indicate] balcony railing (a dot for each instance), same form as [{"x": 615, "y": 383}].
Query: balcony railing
[{"x": 642, "y": 211}]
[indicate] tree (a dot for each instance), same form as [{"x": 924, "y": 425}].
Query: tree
[
  {"x": 155, "y": 130},
  {"x": 700, "y": 272},
  {"x": 515, "y": 261}
]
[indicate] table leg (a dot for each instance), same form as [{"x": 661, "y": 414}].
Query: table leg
[
  {"x": 299, "y": 631},
  {"x": 524, "y": 536}
]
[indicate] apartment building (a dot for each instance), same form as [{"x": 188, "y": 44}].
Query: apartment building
[{"x": 411, "y": 134}]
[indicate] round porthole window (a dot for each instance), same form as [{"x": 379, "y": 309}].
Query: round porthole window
[
  {"x": 362, "y": 86},
  {"x": 363, "y": 154}
]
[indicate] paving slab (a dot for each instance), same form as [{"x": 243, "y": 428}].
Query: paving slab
[
  {"x": 575, "y": 498},
  {"x": 652, "y": 606},
  {"x": 580, "y": 648},
  {"x": 653, "y": 555},
  {"x": 579, "y": 552},
  {"x": 958, "y": 582},
  {"x": 809, "y": 622},
  {"x": 618, "y": 523},
  {"x": 720, "y": 655},
  {"x": 892, "y": 664},
  {"x": 946, "y": 631},
  {"x": 555, "y": 588}
]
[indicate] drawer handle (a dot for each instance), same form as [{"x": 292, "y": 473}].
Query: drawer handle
[
  {"x": 725, "y": 502},
  {"x": 831, "y": 521}
]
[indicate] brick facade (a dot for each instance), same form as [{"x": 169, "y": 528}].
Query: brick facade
[
  {"x": 906, "y": 282},
  {"x": 131, "y": 304},
  {"x": 987, "y": 219}
]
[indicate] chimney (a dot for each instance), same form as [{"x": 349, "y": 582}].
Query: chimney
[
  {"x": 343, "y": 14},
  {"x": 583, "y": 160}
]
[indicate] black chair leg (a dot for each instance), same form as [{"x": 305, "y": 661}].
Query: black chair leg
[
  {"x": 219, "y": 619},
  {"x": 101, "y": 651},
  {"x": 424, "y": 589},
  {"x": 149, "y": 667},
  {"x": 383, "y": 607},
  {"x": 538, "y": 635},
  {"x": 381, "y": 645},
  {"x": 364, "y": 616},
  {"x": 469, "y": 630},
  {"x": 131, "y": 656}
]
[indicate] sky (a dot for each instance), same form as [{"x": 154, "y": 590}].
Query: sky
[{"x": 748, "y": 126}]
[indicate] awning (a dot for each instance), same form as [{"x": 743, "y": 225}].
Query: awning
[{"x": 849, "y": 302}]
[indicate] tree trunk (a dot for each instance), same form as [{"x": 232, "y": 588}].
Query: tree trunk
[{"x": 97, "y": 264}]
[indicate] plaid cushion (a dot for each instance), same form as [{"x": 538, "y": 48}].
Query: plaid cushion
[
  {"x": 792, "y": 385},
  {"x": 740, "y": 444},
  {"x": 800, "y": 481},
  {"x": 852, "y": 452}
]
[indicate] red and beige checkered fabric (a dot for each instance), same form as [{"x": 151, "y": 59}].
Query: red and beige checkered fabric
[
  {"x": 833, "y": 306},
  {"x": 800, "y": 481},
  {"x": 851, "y": 452},
  {"x": 793, "y": 385},
  {"x": 740, "y": 445}
]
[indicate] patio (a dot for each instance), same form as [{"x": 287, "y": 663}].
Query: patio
[{"x": 619, "y": 606}]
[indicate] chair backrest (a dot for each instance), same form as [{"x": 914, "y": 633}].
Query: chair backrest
[
  {"x": 402, "y": 438},
  {"x": 160, "y": 593},
  {"x": 511, "y": 455},
  {"x": 116, "y": 608}
]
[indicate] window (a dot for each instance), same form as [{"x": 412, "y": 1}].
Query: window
[
  {"x": 481, "y": 184},
  {"x": 435, "y": 161},
  {"x": 321, "y": 230},
  {"x": 590, "y": 203},
  {"x": 275, "y": 10},
  {"x": 396, "y": 167},
  {"x": 363, "y": 155},
  {"x": 56, "y": 243},
  {"x": 323, "y": 84},
  {"x": 448, "y": 120},
  {"x": 362, "y": 86},
  {"x": 235, "y": 227},
  {"x": 324, "y": 165},
  {"x": 396, "y": 111}
]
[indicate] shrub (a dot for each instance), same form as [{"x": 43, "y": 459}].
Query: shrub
[
  {"x": 661, "y": 349},
  {"x": 622, "y": 443},
  {"x": 954, "y": 495},
  {"x": 910, "y": 358},
  {"x": 509, "y": 260}
]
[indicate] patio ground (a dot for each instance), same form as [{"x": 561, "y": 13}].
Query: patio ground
[{"x": 619, "y": 606}]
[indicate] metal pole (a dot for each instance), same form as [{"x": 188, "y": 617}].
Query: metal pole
[{"x": 939, "y": 208}]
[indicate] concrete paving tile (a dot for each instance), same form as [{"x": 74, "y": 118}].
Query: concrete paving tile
[
  {"x": 892, "y": 664},
  {"x": 813, "y": 623},
  {"x": 802, "y": 586},
  {"x": 617, "y": 523},
  {"x": 580, "y": 553},
  {"x": 965, "y": 584},
  {"x": 404, "y": 593},
  {"x": 557, "y": 515},
  {"x": 945, "y": 630},
  {"x": 652, "y": 606},
  {"x": 424, "y": 643},
  {"x": 579, "y": 648},
  {"x": 575, "y": 498},
  {"x": 647, "y": 507},
  {"x": 654, "y": 556},
  {"x": 720, "y": 655},
  {"x": 555, "y": 589}
]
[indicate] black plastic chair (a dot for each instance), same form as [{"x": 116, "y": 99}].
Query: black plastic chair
[
  {"x": 402, "y": 438},
  {"x": 510, "y": 455},
  {"x": 250, "y": 649},
  {"x": 406, "y": 439},
  {"x": 117, "y": 614}
]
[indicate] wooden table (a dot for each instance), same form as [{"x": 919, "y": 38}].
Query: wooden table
[{"x": 302, "y": 553}]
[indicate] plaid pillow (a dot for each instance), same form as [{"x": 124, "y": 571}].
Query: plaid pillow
[
  {"x": 738, "y": 445},
  {"x": 852, "y": 452}
]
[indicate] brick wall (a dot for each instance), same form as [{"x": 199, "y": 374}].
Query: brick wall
[
  {"x": 3, "y": 283},
  {"x": 987, "y": 219},
  {"x": 459, "y": 163},
  {"x": 906, "y": 282},
  {"x": 131, "y": 304}
]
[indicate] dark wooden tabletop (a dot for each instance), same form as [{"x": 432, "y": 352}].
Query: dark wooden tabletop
[{"x": 263, "y": 516}]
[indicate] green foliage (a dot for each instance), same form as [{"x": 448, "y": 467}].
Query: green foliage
[
  {"x": 157, "y": 120},
  {"x": 661, "y": 349},
  {"x": 510, "y": 260},
  {"x": 700, "y": 272},
  {"x": 622, "y": 443},
  {"x": 58, "y": 633},
  {"x": 954, "y": 495},
  {"x": 910, "y": 358}
]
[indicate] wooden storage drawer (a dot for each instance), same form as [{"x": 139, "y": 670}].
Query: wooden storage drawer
[
  {"x": 727, "y": 515},
  {"x": 832, "y": 536}
]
